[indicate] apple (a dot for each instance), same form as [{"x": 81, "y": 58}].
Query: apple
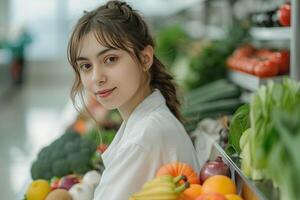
[
  {"x": 66, "y": 182},
  {"x": 54, "y": 183},
  {"x": 211, "y": 196}
]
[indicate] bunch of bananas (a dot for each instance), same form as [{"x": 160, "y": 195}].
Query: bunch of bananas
[{"x": 162, "y": 188}]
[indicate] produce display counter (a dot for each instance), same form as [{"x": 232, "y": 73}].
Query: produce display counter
[
  {"x": 273, "y": 33},
  {"x": 251, "y": 82},
  {"x": 250, "y": 190}
]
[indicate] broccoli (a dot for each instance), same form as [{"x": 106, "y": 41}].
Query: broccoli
[{"x": 68, "y": 154}]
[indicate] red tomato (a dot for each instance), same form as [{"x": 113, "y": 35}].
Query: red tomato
[
  {"x": 284, "y": 15},
  {"x": 264, "y": 53},
  {"x": 266, "y": 68},
  {"x": 283, "y": 59},
  {"x": 244, "y": 51},
  {"x": 232, "y": 63},
  {"x": 249, "y": 65}
]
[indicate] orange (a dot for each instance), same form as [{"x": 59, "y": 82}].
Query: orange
[
  {"x": 211, "y": 196},
  {"x": 220, "y": 184},
  {"x": 191, "y": 193},
  {"x": 233, "y": 197}
]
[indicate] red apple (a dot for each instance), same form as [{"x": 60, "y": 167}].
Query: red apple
[
  {"x": 68, "y": 181},
  {"x": 54, "y": 183},
  {"x": 211, "y": 196}
]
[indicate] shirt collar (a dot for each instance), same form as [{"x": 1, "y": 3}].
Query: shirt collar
[{"x": 150, "y": 103}]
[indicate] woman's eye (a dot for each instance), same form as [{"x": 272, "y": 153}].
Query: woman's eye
[
  {"x": 84, "y": 67},
  {"x": 111, "y": 60}
]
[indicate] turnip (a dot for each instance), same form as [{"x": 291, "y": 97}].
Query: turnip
[
  {"x": 92, "y": 178},
  {"x": 81, "y": 191}
]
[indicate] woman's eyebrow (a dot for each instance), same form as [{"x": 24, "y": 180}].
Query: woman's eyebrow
[{"x": 98, "y": 54}]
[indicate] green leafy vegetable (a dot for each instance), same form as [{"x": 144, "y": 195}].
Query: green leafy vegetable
[
  {"x": 270, "y": 147},
  {"x": 240, "y": 122}
]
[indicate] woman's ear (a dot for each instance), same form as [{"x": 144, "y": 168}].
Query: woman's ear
[{"x": 147, "y": 57}]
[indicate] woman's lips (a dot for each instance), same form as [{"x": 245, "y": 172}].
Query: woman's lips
[{"x": 105, "y": 94}]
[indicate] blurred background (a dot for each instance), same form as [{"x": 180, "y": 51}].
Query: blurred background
[{"x": 194, "y": 39}]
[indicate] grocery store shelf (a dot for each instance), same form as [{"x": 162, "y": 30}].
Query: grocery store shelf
[
  {"x": 295, "y": 40},
  {"x": 250, "y": 82},
  {"x": 273, "y": 33},
  {"x": 260, "y": 190}
]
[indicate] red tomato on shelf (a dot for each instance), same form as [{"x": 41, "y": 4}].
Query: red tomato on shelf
[
  {"x": 282, "y": 58},
  {"x": 284, "y": 14},
  {"x": 266, "y": 68},
  {"x": 244, "y": 51}
]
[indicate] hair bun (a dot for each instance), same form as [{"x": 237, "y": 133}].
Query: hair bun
[{"x": 119, "y": 5}]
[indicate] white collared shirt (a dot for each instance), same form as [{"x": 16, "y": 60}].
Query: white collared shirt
[{"x": 151, "y": 138}]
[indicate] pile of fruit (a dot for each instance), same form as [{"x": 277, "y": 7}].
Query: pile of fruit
[
  {"x": 178, "y": 181},
  {"x": 69, "y": 187}
]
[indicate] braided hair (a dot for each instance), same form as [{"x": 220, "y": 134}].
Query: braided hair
[{"x": 117, "y": 25}]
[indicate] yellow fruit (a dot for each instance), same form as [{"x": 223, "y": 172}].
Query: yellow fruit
[
  {"x": 38, "y": 190},
  {"x": 220, "y": 184},
  {"x": 233, "y": 197}
]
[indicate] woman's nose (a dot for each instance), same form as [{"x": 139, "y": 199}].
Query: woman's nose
[{"x": 98, "y": 75}]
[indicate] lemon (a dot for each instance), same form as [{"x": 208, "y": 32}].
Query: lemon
[{"x": 38, "y": 190}]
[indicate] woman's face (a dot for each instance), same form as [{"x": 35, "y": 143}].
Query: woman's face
[{"x": 111, "y": 75}]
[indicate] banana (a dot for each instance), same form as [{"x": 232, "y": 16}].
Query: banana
[
  {"x": 165, "y": 179},
  {"x": 161, "y": 188}
]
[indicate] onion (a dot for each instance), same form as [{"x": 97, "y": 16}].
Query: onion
[{"x": 214, "y": 167}]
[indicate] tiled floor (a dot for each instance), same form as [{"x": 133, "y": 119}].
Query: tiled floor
[{"x": 30, "y": 118}]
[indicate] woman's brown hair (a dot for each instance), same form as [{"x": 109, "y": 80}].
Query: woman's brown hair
[{"x": 117, "y": 25}]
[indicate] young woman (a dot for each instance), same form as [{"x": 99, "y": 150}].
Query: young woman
[{"x": 112, "y": 54}]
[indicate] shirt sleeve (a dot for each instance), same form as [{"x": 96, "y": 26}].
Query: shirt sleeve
[{"x": 130, "y": 169}]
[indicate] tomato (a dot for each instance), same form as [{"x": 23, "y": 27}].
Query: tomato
[
  {"x": 283, "y": 59},
  {"x": 249, "y": 64},
  {"x": 264, "y": 53},
  {"x": 266, "y": 68},
  {"x": 243, "y": 64},
  {"x": 244, "y": 51},
  {"x": 284, "y": 15}
]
